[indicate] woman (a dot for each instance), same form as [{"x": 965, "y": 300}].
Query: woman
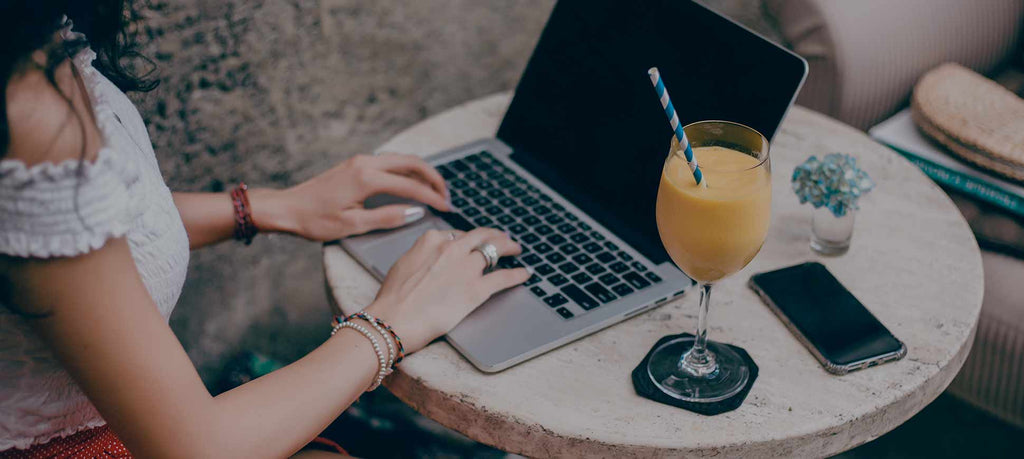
[{"x": 93, "y": 249}]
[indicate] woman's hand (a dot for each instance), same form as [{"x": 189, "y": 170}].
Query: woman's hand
[
  {"x": 439, "y": 281},
  {"x": 330, "y": 205}
]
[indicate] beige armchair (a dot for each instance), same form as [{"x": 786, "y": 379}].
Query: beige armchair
[{"x": 864, "y": 57}]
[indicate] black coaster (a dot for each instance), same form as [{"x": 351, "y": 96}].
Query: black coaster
[{"x": 647, "y": 389}]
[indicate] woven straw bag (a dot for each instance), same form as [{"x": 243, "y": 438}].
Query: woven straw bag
[{"x": 978, "y": 120}]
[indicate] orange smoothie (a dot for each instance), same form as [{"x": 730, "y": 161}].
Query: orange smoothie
[{"x": 713, "y": 232}]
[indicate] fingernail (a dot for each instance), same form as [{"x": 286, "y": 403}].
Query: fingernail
[
  {"x": 414, "y": 213},
  {"x": 529, "y": 269}
]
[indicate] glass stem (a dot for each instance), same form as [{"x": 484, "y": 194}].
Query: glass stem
[{"x": 699, "y": 361}]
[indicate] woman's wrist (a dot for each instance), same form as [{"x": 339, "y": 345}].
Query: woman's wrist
[{"x": 272, "y": 211}]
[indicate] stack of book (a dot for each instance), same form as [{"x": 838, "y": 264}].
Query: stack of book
[{"x": 900, "y": 134}]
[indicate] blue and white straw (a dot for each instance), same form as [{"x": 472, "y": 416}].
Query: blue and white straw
[{"x": 673, "y": 119}]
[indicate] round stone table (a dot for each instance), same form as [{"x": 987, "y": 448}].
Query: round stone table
[{"x": 914, "y": 263}]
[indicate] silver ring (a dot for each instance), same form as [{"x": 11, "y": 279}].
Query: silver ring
[{"x": 490, "y": 253}]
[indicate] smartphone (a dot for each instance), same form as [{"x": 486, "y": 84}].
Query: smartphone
[{"x": 838, "y": 330}]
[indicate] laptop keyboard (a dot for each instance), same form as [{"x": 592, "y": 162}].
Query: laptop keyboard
[{"x": 573, "y": 263}]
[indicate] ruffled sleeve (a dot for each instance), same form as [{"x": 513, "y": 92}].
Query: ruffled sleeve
[{"x": 62, "y": 210}]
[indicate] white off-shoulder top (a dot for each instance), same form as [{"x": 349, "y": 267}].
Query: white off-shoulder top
[{"x": 68, "y": 209}]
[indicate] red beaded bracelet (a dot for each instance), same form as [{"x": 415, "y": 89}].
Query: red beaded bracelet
[{"x": 245, "y": 229}]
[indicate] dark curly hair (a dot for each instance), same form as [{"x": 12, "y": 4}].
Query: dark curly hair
[{"x": 27, "y": 26}]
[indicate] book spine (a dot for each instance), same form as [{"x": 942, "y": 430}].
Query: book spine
[{"x": 966, "y": 184}]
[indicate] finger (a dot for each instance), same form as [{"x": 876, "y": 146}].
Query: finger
[
  {"x": 405, "y": 187},
  {"x": 502, "y": 279},
  {"x": 500, "y": 241},
  {"x": 392, "y": 216},
  {"x": 411, "y": 164}
]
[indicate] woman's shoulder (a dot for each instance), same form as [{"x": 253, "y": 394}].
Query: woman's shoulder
[{"x": 49, "y": 121}]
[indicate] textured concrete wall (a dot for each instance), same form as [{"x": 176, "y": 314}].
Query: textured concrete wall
[{"x": 272, "y": 92}]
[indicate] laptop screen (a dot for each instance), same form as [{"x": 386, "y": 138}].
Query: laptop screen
[{"x": 586, "y": 120}]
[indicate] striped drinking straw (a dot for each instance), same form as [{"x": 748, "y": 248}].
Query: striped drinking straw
[{"x": 673, "y": 119}]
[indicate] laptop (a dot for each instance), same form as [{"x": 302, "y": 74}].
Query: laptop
[{"x": 574, "y": 169}]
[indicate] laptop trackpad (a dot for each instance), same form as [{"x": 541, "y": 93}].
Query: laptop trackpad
[{"x": 387, "y": 250}]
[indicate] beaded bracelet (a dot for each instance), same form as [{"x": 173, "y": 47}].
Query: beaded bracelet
[
  {"x": 383, "y": 334},
  {"x": 398, "y": 341},
  {"x": 381, "y": 360},
  {"x": 245, "y": 228}
]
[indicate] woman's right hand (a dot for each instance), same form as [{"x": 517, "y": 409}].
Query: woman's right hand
[{"x": 439, "y": 281}]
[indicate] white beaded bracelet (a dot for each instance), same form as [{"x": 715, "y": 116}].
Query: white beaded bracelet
[
  {"x": 381, "y": 359},
  {"x": 387, "y": 340}
]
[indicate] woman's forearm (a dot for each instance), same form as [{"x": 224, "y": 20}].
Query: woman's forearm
[{"x": 209, "y": 218}]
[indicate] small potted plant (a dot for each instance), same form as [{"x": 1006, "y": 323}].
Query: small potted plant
[{"x": 832, "y": 184}]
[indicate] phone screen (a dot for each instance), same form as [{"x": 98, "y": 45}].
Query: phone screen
[{"x": 827, "y": 314}]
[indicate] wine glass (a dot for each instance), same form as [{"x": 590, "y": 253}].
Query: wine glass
[{"x": 711, "y": 232}]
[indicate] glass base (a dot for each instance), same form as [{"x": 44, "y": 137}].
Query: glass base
[
  {"x": 829, "y": 248},
  {"x": 726, "y": 379}
]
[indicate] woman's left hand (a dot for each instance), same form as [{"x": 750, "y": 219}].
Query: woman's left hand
[{"x": 330, "y": 205}]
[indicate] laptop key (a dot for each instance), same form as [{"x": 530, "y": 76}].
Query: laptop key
[
  {"x": 506, "y": 183},
  {"x": 581, "y": 258},
  {"x": 592, "y": 247},
  {"x": 544, "y": 270},
  {"x": 556, "y": 239},
  {"x": 470, "y": 192},
  {"x": 518, "y": 228},
  {"x": 597, "y": 236},
  {"x": 515, "y": 191},
  {"x": 611, "y": 246},
  {"x": 653, "y": 277},
  {"x": 471, "y": 212},
  {"x": 556, "y": 300},
  {"x": 638, "y": 266},
  {"x": 530, "y": 238},
  {"x": 542, "y": 210},
  {"x": 605, "y": 257},
  {"x": 608, "y": 279},
  {"x": 459, "y": 166},
  {"x": 531, "y": 220},
  {"x": 481, "y": 201},
  {"x": 506, "y": 220},
  {"x": 601, "y": 293},
  {"x": 509, "y": 263},
  {"x": 459, "y": 202},
  {"x": 595, "y": 269},
  {"x": 565, "y": 313},
  {"x": 445, "y": 172},
  {"x": 571, "y": 217},
  {"x": 557, "y": 279},
  {"x": 581, "y": 278},
  {"x": 484, "y": 185},
  {"x": 458, "y": 184},
  {"x": 496, "y": 193},
  {"x": 473, "y": 158},
  {"x": 579, "y": 238},
  {"x": 569, "y": 249},
  {"x": 472, "y": 176},
  {"x": 483, "y": 221},
  {"x": 566, "y": 228},
  {"x": 542, "y": 248},
  {"x": 544, "y": 197},
  {"x": 519, "y": 211},
  {"x": 543, "y": 230},
  {"x": 618, "y": 267},
  {"x": 531, "y": 259},
  {"x": 482, "y": 166},
  {"x": 558, "y": 207},
  {"x": 580, "y": 297},
  {"x": 554, "y": 219},
  {"x": 456, "y": 221},
  {"x": 538, "y": 291},
  {"x": 568, "y": 267},
  {"x": 625, "y": 256},
  {"x": 506, "y": 202},
  {"x": 583, "y": 226},
  {"x": 637, "y": 281},
  {"x": 530, "y": 201},
  {"x": 622, "y": 289},
  {"x": 555, "y": 258},
  {"x": 485, "y": 155}
]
